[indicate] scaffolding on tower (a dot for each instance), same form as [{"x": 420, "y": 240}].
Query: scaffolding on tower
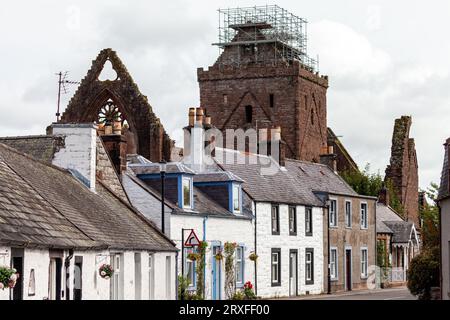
[{"x": 267, "y": 34}]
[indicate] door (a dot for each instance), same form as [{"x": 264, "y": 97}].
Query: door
[
  {"x": 348, "y": 269},
  {"x": 77, "y": 279},
  {"x": 216, "y": 274},
  {"x": 55, "y": 279},
  {"x": 17, "y": 263},
  {"x": 137, "y": 276},
  {"x": 293, "y": 272},
  {"x": 116, "y": 280}
]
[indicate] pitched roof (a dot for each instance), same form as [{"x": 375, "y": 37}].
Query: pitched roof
[
  {"x": 154, "y": 168},
  {"x": 296, "y": 183},
  {"x": 43, "y": 197},
  {"x": 444, "y": 188},
  {"x": 385, "y": 213},
  {"x": 41, "y": 147},
  {"x": 401, "y": 230}
]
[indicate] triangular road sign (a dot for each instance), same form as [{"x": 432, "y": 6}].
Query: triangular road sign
[{"x": 192, "y": 240}]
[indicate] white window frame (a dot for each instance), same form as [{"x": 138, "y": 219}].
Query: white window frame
[
  {"x": 292, "y": 222},
  {"x": 151, "y": 276},
  {"x": 334, "y": 223},
  {"x": 168, "y": 267},
  {"x": 348, "y": 215},
  {"x": 364, "y": 263},
  {"x": 364, "y": 222},
  {"x": 277, "y": 210},
  {"x": 237, "y": 192},
  {"x": 275, "y": 280},
  {"x": 240, "y": 265},
  {"x": 183, "y": 180},
  {"x": 309, "y": 266},
  {"x": 192, "y": 284},
  {"x": 309, "y": 221},
  {"x": 116, "y": 283},
  {"x": 334, "y": 270}
]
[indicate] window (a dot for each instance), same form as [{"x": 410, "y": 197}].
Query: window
[
  {"x": 275, "y": 220},
  {"x": 32, "y": 284},
  {"x": 240, "y": 265},
  {"x": 312, "y": 117},
  {"x": 363, "y": 215},
  {"x": 333, "y": 213},
  {"x": 236, "y": 198},
  {"x": 116, "y": 284},
  {"x": 225, "y": 99},
  {"x": 151, "y": 277},
  {"x": 308, "y": 222},
  {"x": 348, "y": 214},
  {"x": 333, "y": 264},
  {"x": 309, "y": 266},
  {"x": 364, "y": 263},
  {"x": 248, "y": 114},
  {"x": 272, "y": 100},
  {"x": 292, "y": 221},
  {"x": 189, "y": 268},
  {"x": 276, "y": 267},
  {"x": 187, "y": 193},
  {"x": 169, "y": 278}
]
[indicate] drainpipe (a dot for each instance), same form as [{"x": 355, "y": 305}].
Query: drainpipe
[
  {"x": 176, "y": 276},
  {"x": 328, "y": 248},
  {"x": 67, "y": 266},
  {"x": 256, "y": 252},
  {"x": 205, "y": 219}
]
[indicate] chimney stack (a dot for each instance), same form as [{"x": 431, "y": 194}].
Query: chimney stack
[
  {"x": 384, "y": 196},
  {"x": 199, "y": 116},
  {"x": 80, "y": 152},
  {"x": 194, "y": 139},
  {"x": 329, "y": 158}
]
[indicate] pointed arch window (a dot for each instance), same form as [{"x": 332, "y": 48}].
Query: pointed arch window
[{"x": 249, "y": 114}]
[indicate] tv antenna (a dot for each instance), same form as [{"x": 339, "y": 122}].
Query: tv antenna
[{"x": 63, "y": 87}]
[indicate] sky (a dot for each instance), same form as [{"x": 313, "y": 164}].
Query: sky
[{"x": 384, "y": 59}]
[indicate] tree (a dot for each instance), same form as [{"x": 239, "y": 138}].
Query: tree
[
  {"x": 364, "y": 182},
  {"x": 423, "y": 273}
]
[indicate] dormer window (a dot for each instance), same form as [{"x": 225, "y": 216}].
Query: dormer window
[
  {"x": 237, "y": 196},
  {"x": 187, "y": 193}
]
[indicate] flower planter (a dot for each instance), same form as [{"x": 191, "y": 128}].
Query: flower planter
[
  {"x": 105, "y": 271},
  {"x": 8, "y": 277}
]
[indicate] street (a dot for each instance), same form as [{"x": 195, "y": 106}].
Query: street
[{"x": 380, "y": 294}]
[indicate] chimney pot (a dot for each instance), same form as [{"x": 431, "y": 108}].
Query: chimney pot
[
  {"x": 191, "y": 117},
  {"x": 199, "y": 116},
  {"x": 208, "y": 121}
]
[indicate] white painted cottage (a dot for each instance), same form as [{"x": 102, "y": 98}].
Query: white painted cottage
[{"x": 59, "y": 223}]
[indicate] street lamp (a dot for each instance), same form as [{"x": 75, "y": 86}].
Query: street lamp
[{"x": 162, "y": 170}]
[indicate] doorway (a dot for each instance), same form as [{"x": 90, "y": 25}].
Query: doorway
[
  {"x": 293, "y": 273},
  {"x": 77, "y": 279},
  {"x": 348, "y": 269},
  {"x": 55, "y": 279},
  {"x": 216, "y": 274},
  {"x": 17, "y": 263}
]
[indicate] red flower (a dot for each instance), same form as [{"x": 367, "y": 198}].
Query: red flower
[{"x": 248, "y": 285}]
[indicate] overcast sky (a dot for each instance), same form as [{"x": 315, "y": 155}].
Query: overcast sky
[{"x": 384, "y": 59}]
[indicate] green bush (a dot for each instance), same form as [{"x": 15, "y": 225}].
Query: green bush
[{"x": 423, "y": 273}]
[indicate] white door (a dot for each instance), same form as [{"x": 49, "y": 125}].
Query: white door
[{"x": 293, "y": 273}]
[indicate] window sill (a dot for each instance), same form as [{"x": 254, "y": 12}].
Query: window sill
[
  {"x": 308, "y": 235},
  {"x": 334, "y": 279},
  {"x": 334, "y": 227},
  {"x": 275, "y": 233},
  {"x": 364, "y": 228},
  {"x": 364, "y": 277},
  {"x": 294, "y": 234},
  {"x": 276, "y": 284},
  {"x": 348, "y": 227},
  {"x": 309, "y": 283}
]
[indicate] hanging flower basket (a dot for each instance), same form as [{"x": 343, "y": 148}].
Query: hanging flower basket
[
  {"x": 253, "y": 256},
  {"x": 8, "y": 277},
  {"x": 193, "y": 256},
  {"x": 105, "y": 271},
  {"x": 218, "y": 256}
]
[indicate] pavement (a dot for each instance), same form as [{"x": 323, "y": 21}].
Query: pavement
[{"x": 401, "y": 293}]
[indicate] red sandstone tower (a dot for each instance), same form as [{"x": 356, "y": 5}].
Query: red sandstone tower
[{"x": 264, "y": 79}]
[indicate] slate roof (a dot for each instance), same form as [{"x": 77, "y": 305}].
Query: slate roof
[
  {"x": 220, "y": 176},
  {"x": 444, "y": 188},
  {"x": 154, "y": 168},
  {"x": 46, "y": 206},
  {"x": 42, "y": 147},
  {"x": 203, "y": 204},
  {"x": 296, "y": 183},
  {"x": 401, "y": 230},
  {"x": 385, "y": 213}
]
